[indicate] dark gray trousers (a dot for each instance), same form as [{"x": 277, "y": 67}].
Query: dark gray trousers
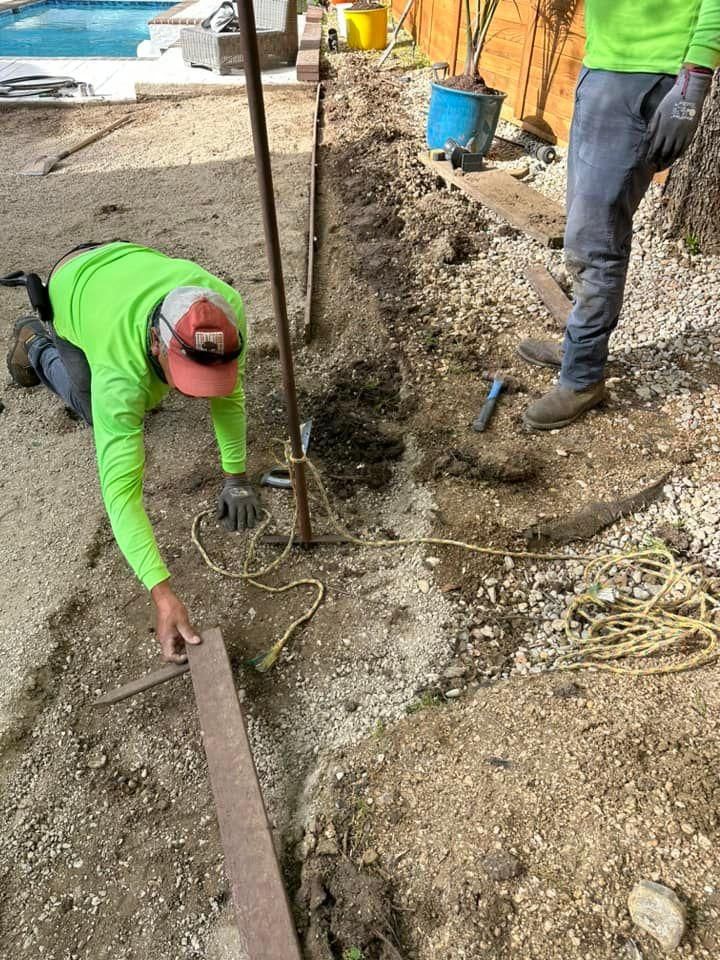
[{"x": 64, "y": 369}]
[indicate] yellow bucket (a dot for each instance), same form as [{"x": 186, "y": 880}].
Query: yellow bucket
[{"x": 366, "y": 29}]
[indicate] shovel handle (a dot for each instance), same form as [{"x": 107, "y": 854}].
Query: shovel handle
[{"x": 94, "y": 136}]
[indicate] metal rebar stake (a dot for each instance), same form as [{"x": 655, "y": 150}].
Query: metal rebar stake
[{"x": 256, "y": 106}]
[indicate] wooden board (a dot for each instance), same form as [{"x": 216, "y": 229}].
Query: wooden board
[
  {"x": 261, "y": 906},
  {"x": 550, "y": 292},
  {"x": 514, "y": 201}
]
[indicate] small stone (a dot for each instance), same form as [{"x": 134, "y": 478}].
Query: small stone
[
  {"x": 561, "y": 452},
  {"x": 509, "y": 563},
  {"x": 369, "y": 857},
  {"x": 566, "y": 691},
  {"x": 452, "y": 694},
  {"x": 97, "y": 760},
  {"x": 501, "y": 866},
  {"x": 454, "y": 671},
  {"x": 327, "y": 847},
  {"x": 318, "y": 894},
  {"x": 423, "y": 586},
  {"x": 432, "y": 562},
  {"x": 657, "y": 910}
]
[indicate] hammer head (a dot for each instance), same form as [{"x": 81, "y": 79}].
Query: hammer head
[{"x": 508, "y": 383}]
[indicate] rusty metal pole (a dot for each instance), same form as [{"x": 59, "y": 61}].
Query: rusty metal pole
[{"x": 256, "y": 105}]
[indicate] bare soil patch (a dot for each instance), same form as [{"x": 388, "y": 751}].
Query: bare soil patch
[{"x": 516, "y": 824}]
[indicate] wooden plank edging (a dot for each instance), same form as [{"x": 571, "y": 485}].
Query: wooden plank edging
[
  {"x": 550, "y": 292},
  {"x": 514, "y": 201}
]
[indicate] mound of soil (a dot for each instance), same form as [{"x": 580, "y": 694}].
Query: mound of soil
[{"x": 470, "y": 84}]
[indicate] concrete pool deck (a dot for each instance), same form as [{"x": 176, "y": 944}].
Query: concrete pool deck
[
  {"x": 122, "y": 79},
  {"x": 118, "y": 79}
]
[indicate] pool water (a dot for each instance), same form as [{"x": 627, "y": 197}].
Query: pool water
[{"x": 77, "y": 28}]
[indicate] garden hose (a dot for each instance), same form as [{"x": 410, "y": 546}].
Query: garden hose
[{"x": 604, "y": 625}]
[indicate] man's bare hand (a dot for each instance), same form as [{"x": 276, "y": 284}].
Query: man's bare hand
[{"x": 174, "y": 629}]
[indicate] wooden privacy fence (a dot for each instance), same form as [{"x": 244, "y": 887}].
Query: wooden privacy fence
[{"x": 533, "y": 54}]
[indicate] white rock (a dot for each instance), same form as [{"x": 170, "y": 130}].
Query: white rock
[{"x": 657, "y": 910}]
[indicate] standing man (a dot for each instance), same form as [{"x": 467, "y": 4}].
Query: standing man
[
  {"x": 129, "y": 324},
  {"x": 647, "y": 70}
]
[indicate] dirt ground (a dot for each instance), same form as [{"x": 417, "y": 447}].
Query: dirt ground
[{"x": 386, "y": 821}]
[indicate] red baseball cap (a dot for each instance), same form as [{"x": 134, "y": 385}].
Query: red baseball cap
[{"x": 199, "y": 328}]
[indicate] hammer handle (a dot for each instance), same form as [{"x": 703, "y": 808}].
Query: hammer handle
[{"x": 483, "y": 418}]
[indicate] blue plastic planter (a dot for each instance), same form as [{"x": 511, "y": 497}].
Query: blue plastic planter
[{"x": 469, "y": 118}]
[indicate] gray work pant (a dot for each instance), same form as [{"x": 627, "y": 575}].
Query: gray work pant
[
  {"x": 608, "y": 176},
  {"x": 63, "y": 369},
  {"x": 60, "y": 365}
]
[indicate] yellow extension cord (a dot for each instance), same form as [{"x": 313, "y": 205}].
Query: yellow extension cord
[{"x": 673, "y": 622}]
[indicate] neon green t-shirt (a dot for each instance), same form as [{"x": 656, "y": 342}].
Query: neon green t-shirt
[
  {"x": 651, "y": 36},
  {"x": 101, "y": 303}
]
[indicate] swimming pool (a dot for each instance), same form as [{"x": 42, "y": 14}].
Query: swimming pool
[{"x": 77, "y": 28}]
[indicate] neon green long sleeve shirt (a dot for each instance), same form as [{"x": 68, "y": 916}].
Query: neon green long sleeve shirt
[
  {"x": 652, "y": 36},
  {"x": 101, "y": 303}
]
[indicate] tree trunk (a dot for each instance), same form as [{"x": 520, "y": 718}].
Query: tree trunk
[
  {"x": 469, "y": 50},
  {"x": 691, "y": 198}
]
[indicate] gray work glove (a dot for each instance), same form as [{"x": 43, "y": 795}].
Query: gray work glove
[
  {"x": 238, "y": 505},
  {"x": 676, "y": 119}
]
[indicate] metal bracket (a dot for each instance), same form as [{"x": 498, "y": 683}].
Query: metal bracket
[{"x": 279, "y": 477}]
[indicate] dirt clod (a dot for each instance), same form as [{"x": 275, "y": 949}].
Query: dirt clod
[
  {"x": 513, "y": 468},
  {"x": 348, "y": 909},
  {"x": 501, "y": 866}
]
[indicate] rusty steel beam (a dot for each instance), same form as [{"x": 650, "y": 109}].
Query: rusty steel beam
[
  {"x": 262, "y": 909},
  {"x": 312, "y": 238},
  {"x": 148, "y": 680},
  {"x": 256, "y": 107},
  {"x": 318, "y": 540}
]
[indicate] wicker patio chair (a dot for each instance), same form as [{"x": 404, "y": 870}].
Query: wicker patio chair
[{"x": 276, "y": 23}]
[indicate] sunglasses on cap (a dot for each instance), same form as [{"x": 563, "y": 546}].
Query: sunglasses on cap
[{"x": 208, "y": 356}]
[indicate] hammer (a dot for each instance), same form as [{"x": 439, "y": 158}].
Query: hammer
[{"x": 483, "y": 418}]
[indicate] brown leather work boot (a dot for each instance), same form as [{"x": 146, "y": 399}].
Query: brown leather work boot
[
  {"x": 543, "y": 353},
  {"x": 21, "y": 370},
  {"x": 562, "y": 406}
]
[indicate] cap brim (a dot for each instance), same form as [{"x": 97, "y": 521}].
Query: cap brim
[{"x": 202, "y": 380}]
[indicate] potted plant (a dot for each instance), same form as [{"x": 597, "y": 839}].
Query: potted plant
[{"x": 463, "y": 108}]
